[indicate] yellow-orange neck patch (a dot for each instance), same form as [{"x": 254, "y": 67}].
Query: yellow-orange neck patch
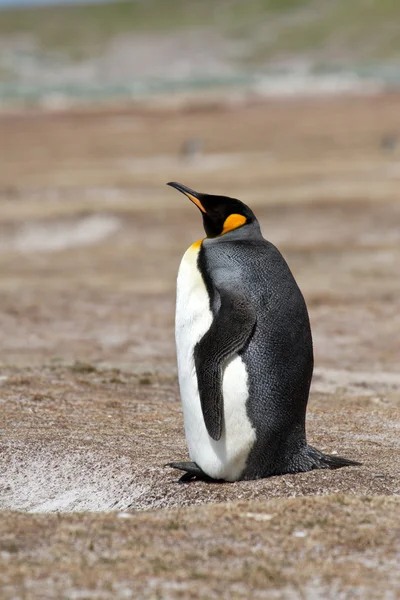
[
  {"x": 196, "y": 245},
  {"x": 233, "y": 222}
]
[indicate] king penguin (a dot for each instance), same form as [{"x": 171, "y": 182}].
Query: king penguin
[{"x": 244, "y": 351}]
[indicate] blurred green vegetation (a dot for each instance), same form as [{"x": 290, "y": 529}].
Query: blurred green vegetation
[
  {"x": 60, "y": 24},
  {"x": 368, "y": 28}
]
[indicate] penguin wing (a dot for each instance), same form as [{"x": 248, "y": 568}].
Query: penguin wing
[{"x": 229, "y": 332}]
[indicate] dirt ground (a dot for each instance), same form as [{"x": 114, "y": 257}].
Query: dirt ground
[{"x": 90, "y": 243}]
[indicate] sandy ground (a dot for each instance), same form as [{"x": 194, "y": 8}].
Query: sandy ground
[{"x": 90, "y": 242}]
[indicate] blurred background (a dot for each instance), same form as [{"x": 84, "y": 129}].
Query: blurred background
[
  {"x": 64, "y": 52},
  {"x": 290, "y": 105}
]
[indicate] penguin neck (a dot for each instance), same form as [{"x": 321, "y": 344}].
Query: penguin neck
[{"x": 250, "y": 231}]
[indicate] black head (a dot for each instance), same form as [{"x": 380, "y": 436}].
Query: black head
[{"x": 220, "y": 213}]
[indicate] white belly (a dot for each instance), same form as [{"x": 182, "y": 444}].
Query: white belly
[{"x": 225, "y": 458}]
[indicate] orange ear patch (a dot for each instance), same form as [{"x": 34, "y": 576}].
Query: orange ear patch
[{"x": 233, "y": 222}]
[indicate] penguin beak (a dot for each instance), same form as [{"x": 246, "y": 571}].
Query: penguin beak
[{"x": 191, "y": 194}]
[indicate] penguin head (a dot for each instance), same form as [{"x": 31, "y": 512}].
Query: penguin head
[{"x": 221, "y": 214}]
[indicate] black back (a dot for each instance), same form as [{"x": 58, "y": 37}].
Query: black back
[{"x": 278, "y": 355}]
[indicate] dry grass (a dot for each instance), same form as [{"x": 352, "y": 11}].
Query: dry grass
[
  {"x": 277, "y": 548},
  {"x": 90, "y": 407}
]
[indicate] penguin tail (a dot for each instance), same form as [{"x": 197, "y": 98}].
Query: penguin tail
[{"x": 319, "y": 460}]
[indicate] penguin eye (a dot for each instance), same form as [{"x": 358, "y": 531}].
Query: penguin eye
[{"x": 233, "y": 222}]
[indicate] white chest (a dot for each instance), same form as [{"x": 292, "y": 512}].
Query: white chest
[{"x": 225, "y": 458}]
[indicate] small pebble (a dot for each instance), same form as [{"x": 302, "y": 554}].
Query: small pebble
[
  {"x": 257, "y": 516},
  {"x": 300, "y": 534}
]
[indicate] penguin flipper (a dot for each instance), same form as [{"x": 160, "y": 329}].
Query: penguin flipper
[{"x": 228, "y": 334}]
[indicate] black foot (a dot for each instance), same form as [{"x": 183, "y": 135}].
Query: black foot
[
  {"x": 193, "y": 472},
  {"x": 319, "y": 460}
]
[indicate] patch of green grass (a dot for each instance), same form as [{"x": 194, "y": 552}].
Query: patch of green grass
[
  {"x": 74, "y": 28},
  {"x": 271, "y": 27},
  {"x": 361, "y": 27}
]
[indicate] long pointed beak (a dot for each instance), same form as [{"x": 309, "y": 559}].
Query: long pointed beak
[{"x": 191, "y": 194}]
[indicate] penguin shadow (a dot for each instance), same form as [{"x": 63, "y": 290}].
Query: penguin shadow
[{"x": 192, "y": 473}]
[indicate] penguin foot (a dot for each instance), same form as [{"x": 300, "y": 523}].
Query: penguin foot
[
  {"x": 328, "y": 461},
  {"x": 193, "y": 472},
  {"x": 311, "y": 458}
]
